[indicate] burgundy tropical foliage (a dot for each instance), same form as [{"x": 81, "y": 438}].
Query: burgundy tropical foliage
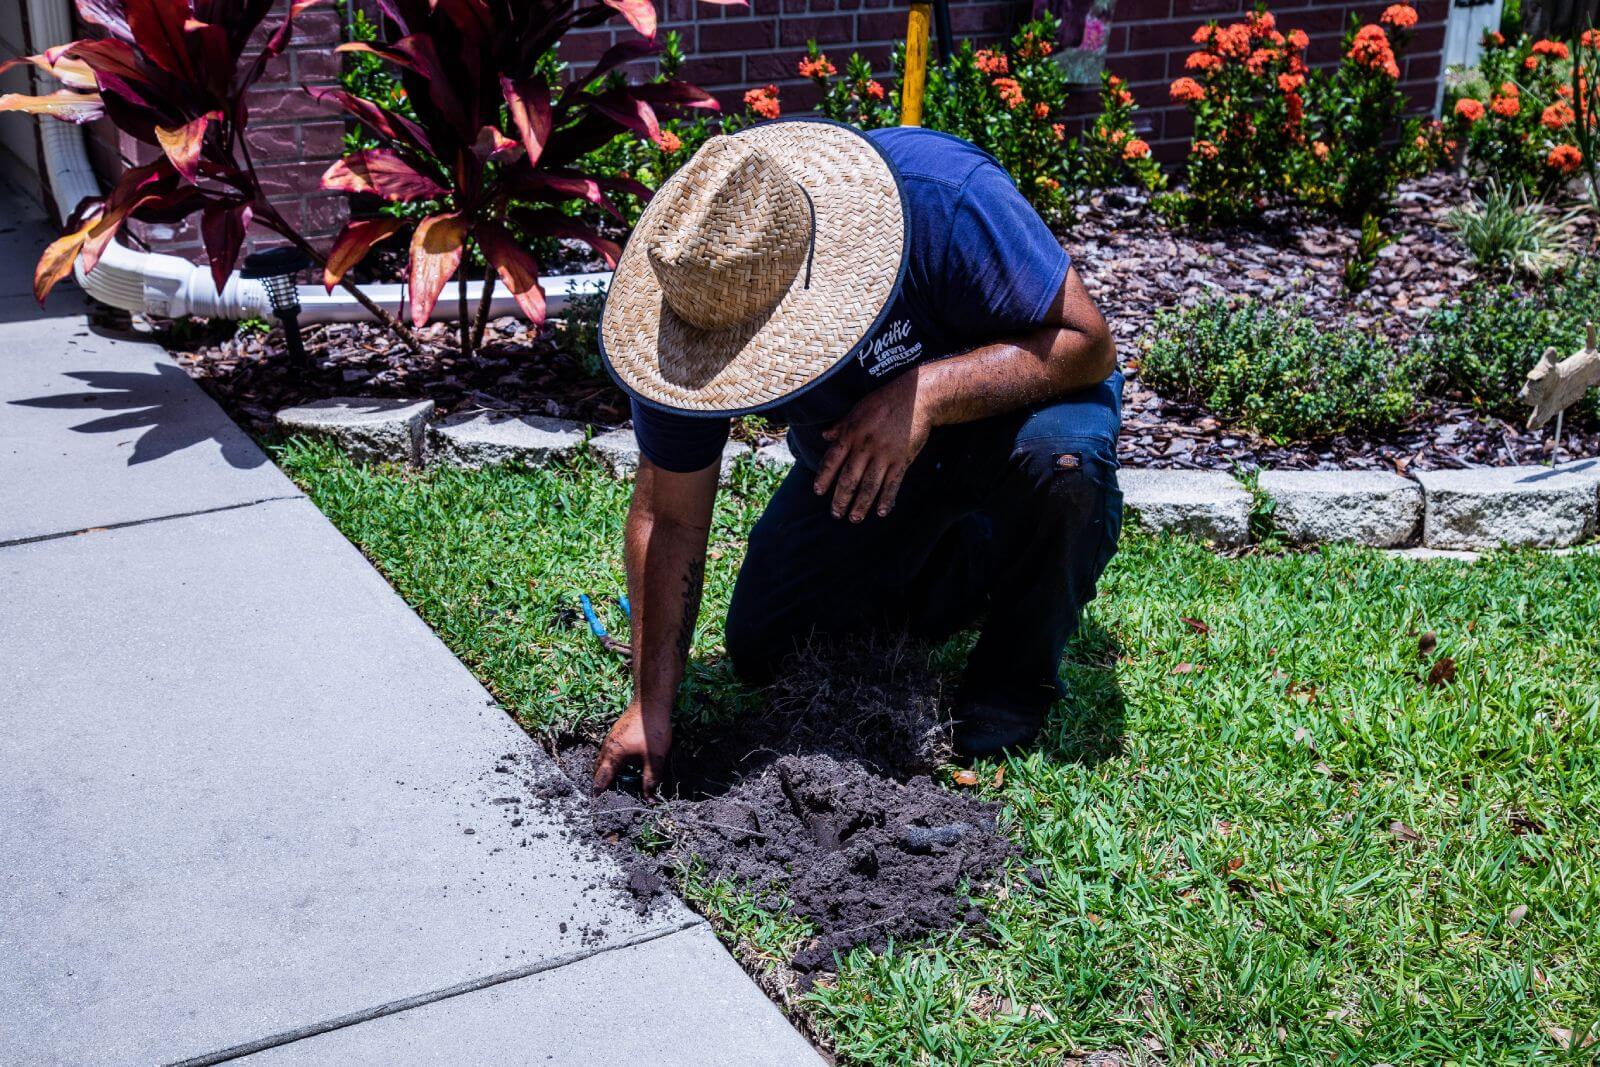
[
  {"x": 171, "y": 74},
  {"x": 491, "y": 152},
  {"x": 486, "y": 149}
]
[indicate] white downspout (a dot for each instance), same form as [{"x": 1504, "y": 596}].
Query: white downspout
[{"x": 165, "y": 286}]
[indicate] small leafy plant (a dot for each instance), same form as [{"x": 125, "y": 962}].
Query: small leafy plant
[
  {"x": 1483, "y": 347},
  {"x": 1278, "y": 372},
  {"x": 1508, "y": 232}
]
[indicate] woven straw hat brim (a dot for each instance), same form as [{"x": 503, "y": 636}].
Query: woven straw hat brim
[{"x": 855, "y": 269}]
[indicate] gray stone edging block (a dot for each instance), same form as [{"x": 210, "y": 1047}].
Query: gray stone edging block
[
  {"x": 619, "y": 451},
  {"x": 485, "y": 438},
  {"x": 1367, "y": 507},
  {"x": 1486, "y": 507},
  {"x": 775, "y": 455},
  {"x": 1207, "y": 505},
  {"x": 368, "y": 429}
]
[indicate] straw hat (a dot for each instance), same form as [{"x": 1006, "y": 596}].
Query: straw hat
[{"x": 756, "y": 269}]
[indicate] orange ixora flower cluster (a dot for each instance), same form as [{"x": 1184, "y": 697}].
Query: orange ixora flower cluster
[
  {"x": 1118, "y": 90},
  {"x": 763, "y": 101},
  {"x": 1372, "y": 50},
  {"x": 1187, "y": 91},
  {"x": 1135, "y": 149},
  {"x": 1400, "y": 16},
  {"x": 1034, "y": 46},
  {"x": 817, "y": 68},
  {"x": 991, "y": 62},
  {"x": 1557, "y": 116},
  {"x": 1469, "y": 109},
  {"x": 1010, "y": 92},
  {"x": 1507, "y": 103},
  {"x": 669, "y": 141},
  {"x": 1565, "y": 159}
]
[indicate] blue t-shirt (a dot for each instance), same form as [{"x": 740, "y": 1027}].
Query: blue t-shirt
[{"x": 981, "y": 265}]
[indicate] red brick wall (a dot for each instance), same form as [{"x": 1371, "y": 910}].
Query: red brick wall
[
  {"x": 733, "y": 48},
  {"x": 292, "y": 139}
]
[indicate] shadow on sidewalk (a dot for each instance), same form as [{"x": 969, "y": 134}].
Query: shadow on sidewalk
[{"x": 161, "y": 400}]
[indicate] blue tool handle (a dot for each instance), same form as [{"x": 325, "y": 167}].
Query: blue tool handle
[
  {"x": 627, "y": 608},
  {"x": 588, "y": 613}
]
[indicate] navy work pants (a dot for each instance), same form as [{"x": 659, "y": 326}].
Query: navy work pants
[{"x": 1010, "y": 519}]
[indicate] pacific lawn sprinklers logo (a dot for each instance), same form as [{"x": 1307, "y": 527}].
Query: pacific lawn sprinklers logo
[{"x": 889, "y": 349}]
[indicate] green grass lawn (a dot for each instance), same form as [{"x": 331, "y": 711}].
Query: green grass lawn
[{"x": 1271, "y": 842}]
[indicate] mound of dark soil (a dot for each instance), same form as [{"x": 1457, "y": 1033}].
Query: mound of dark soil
[{"x": 822, "y": 802}]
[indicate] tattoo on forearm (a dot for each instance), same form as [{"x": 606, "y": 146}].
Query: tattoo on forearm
[{"x": 692, "y": 580}]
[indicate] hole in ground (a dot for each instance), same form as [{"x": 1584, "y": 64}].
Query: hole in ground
[{"x": 820, "y": 800}]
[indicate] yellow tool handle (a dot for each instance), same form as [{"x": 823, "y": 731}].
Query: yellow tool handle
[{"x": 916, "y": 75}]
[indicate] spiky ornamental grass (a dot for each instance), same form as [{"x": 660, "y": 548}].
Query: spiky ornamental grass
[{"x": 1260, "y": 834}]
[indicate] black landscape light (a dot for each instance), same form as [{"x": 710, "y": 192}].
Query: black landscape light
[{"x": 276, "y": 268}]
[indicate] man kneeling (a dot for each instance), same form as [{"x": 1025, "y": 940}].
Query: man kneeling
[{"x": 952, "y": 400}]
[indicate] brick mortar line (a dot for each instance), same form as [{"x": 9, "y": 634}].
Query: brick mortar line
[{"x": 394, "y": 1007}]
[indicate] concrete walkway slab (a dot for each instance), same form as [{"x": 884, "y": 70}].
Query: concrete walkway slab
[
  {"x": 99, "y": 431},
  {"x": 25, "y": 229},
  {"x": 670, "y": 1001},
  {"x": 247, "y": 790}
]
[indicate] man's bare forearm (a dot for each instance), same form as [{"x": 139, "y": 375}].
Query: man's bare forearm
[
  {"x": 1073, "y": 350},
  {"x": 668, "y": 525}
]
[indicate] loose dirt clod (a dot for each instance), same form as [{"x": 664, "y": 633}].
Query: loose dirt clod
[{"x": 823, "y": 802}]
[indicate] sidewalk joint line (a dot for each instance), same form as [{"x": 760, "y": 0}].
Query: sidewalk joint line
[
  {"x": 145, "y": 522},
  {"x": 393, "y": 1007}
]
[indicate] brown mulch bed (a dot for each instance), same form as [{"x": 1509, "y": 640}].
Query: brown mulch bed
[
  {"x": 1132, "y": 264},
  {"x": 1135, "y": 266}
]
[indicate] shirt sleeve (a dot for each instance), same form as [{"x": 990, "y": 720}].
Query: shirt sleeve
[
  {"x": 676, "y": 442},
  {"x": 1003, "y": 266}
]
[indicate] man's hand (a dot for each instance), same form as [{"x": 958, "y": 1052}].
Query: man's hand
[
  {"x": 635, "y": 738},
  {"x": 872, "y": 448}
]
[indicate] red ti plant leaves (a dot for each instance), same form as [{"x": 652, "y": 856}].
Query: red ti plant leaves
[
  {"x": 183, "y": 144},
  {"x": 382, "y": 172},
  {"x": 354, "y": 242},
  {"x": 436, "y": 250},
  {"x": 555, "y": 224},
  {"x": 64, "y": 104},
  {"x": 641, "y": 14},
  {"x": 56, "y": 261},
  {"x": 517, "y": 269},
  {"x": 528, "y": 102},
  {"x": 171, "y": 74},
  {"x": 222, "y": 226}
]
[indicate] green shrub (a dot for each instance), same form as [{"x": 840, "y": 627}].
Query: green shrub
[
  {"x": 1483, "y": 347},
  {"x": 1278, "y": 372}
]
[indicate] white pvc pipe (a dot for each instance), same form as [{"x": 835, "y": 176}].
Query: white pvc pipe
[{"x": 165, "y": 286}]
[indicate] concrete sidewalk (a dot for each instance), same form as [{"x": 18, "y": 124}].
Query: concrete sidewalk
[{"x": 249, "y": 803}]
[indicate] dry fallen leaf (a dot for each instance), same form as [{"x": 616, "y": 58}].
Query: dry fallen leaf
[
  {"x": 1568, "y": 1040},
  {"x": 1188, "y": 668},
  {"x": 1444, "y": 671},
  {"x": 1195, "y": 624},
  {"x": 1402, "y": 832},
  {"x": 1302, "y": 736},
  {"x": 1235, "y": 863},
  {"x": 966, "y": 779},
  {"x": 1092, "y": 917},
  {"x": 999, "y": 778},
  {"x": 1515, "y": 916},
  {"x": 1427, "y": 643}
]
